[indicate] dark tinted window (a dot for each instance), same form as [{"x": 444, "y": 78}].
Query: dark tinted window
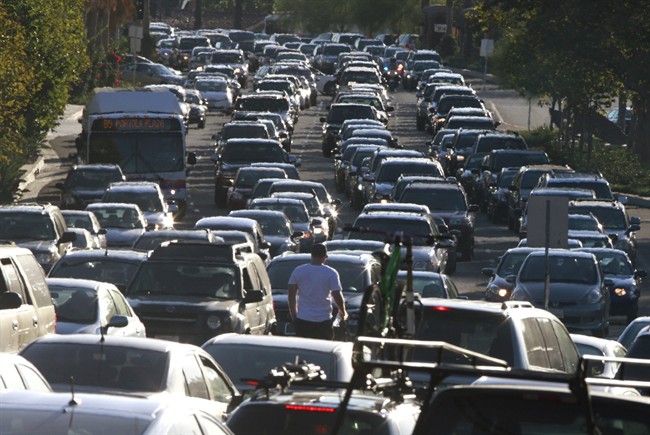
[
  {"x": 354, "y": 276},
  {"x": 561, "y": 269},
  {"x": 436, "y": 199},
  {"x": 481, "y": 332},
  {"x": 118, "y": 273},
  {"x": 99, "y": 366},
  {"x": 251, "y": 152},
  {"x": 419, "y": 230},
  {"x": 20, "y": 226}
]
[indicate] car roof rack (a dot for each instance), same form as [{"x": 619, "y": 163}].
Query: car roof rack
[{"x": 394, "y": 354}]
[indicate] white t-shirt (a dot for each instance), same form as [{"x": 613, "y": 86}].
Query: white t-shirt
[{"x": 315, "y": 284}]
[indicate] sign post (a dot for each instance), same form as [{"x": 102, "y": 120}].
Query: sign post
[{"x": 136, "y": 32}]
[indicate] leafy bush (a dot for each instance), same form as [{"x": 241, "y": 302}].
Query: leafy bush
[{"x": 448, "y": 46}]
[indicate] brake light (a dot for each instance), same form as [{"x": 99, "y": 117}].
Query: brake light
[
  {"x": 400, "y": 67},
  {"x": 309, "y": 408},
  {"x": 253, "y": 383},
  {"x": 439, "y": 308}
]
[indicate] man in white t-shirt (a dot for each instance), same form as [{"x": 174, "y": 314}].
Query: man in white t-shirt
[{"x": 312, "y": 287}]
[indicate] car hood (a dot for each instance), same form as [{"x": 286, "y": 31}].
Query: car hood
[
  {"x": 558, "y": 291},
  {"x": 37, "y": 245},
  {"x": 621, "y": 280},
  {"x": 118, "y": 236}
]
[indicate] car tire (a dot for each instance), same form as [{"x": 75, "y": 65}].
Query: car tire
[
  {"x": 201, "y": 124},
  {"x": 634, "y": 311},
  {"x": 511, "y": 223},
  {"x": 420, "y": 123},
  {"x": 450, "y": 268},
  {"x": 219, "y": 196},
  {"x": 468, "y": 251}
]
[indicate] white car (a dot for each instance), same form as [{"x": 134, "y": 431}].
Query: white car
[
  {"x": 31, "y": 412},
  {"x": 123, "y": 222},
  {"x": 84, "y": 306},
  {"x": 217, "y": 93}
]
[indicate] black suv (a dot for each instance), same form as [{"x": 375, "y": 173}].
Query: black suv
[
  {"x": 578, "y": 180},
  {"x": 337, "y": 114},
  {"x": 498, "y": 159},
  {"x": 190, "y": 292},
  {"x": 236, "y": 153},
  {"x": 616, "y": 223},
  {"x": 448, "y": 201},
  {"x": 41, "y": 228},
  {"x": 85, "y": 184}
]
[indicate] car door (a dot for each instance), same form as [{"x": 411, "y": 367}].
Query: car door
[
  {"x": 135, "y": 328},
  {"x": 252, "y": 310},
  {"x": 19, "y": 325},
  {"x": 220, "y": 387},
  {"x": 267, "y": 315},
  {"x": 196, "y": 386}
]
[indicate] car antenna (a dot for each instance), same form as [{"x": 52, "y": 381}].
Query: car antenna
[{"x": 73, "y": 401}]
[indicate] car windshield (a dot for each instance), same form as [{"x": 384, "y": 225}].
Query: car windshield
[
  {"x": 561, "y": 268},
  {"x": 359, "y": 77},
  {"x": 147, "y": 201},
  {"x": 426, "y": 286},
  {"x": 74, "y": 305},
  {"x": 210, "y": 281},
  {"x": 248, "y": 179},
  {"x": 474, "y": 161},
  {"x": 613, "y": 263},
  {"x": 118, "y": 273},
  {"x": 251, "y": 152},
  {"x": 480, "y": 332},
  {"x": 506, "y": 178},
  {"x": 338, "y": 114},
  {"x": 227, "y": 58},
  {"x": 530, "y": 178},
  {"x": 579, "y": 224},
  {"x": 389, "y": 173},
  {"x": 263, "y": 104},
  {"x": 272, "y": 226},
  {"x": 318, "y": 189},
  {"x": 377, "y": 229},
  {"x": 254, "y": 362},
  {"x": 601, "y": 189},
  {"x": 447, "y": 103},
  {"x": 295, "y": 213},
  {"x": 516, "y": 160},
  {"x": 91, "y": 179},
  {"x": 511, "y": 263},
  {"x": 211, "y": 85},
  {"x": 353, "y": 274},
  {"x": 98, "y": 366},
  {"x": 609, "y": 218},
  {"x": 118, "y": 218},
  {"x": 436, "y": 199},
  {"x": 26, "y": 226},
  {"x": 488, "y": 143}
]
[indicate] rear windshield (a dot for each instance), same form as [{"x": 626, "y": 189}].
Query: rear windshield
[
  {"x": 118, "y": 273},
  {"x": 353, "y": 274},
  {"x": 580, "y": 270},
  {"x": 95, "y": 365},
  {"x": 516, "y": 160},
  {"x": 377, "y": 229},
  {"x": 436, "y": 199},
  {"x": 491, "y": 412},
  {"x": 487, "y": 144}
]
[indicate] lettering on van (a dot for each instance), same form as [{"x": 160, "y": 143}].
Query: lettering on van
[{"x": 136, "y": 124}]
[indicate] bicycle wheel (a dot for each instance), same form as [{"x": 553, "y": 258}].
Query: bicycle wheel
[{"x": 370, "y": 313}]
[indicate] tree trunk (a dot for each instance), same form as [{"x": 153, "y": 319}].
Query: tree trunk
[
  {"x": 198, "y": 14},
  {"x": 450, "y": 15},
  {"x": 239, "y": 12}
]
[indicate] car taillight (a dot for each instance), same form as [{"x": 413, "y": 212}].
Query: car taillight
[
  {"x": 309, "y": 408},
  {"x": 439, "y": 308}
]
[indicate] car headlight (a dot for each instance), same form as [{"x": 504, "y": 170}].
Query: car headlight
[
  {"x": 68, "y": 200},
  {"x": 213, "y": 322},
  {"x": 620, "y": 291},
  {"x": 498, "y": 291},
  {"x": 593, "y": 297},
  {"x": 45, "y": 257},
  {"x": 318, "y": 230},
  {"x": 236, "y": 195}
]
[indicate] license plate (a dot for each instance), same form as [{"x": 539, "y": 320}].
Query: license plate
[
  {"x": 289, "y": 329},
  {"x": 556, "y": 312},
  {"x": 168, "y": 337}
]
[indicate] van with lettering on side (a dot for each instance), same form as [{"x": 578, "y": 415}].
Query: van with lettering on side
[
  {"x": 26, "y": 309},
  {"x": 142, "y": 131}
]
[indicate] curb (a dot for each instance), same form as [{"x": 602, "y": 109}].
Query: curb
[
  {"x": 31, "y": 170},
  {"x": 637, "y": 201}
]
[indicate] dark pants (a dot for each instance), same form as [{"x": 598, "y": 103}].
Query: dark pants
[{"x": 321, "y": 330}]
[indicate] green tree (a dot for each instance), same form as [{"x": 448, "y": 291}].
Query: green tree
[{"x": 43, "y": 52}]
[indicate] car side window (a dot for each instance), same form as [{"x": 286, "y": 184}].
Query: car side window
[
  {"x": 534, "y": 341},
  {"x": 567, "y": 347},
  {"x": 36, "y": 277},
  {"x": 375, "y": 273},
  {"x": 12, "y": 280},
  {"x": 194, "y": 382},
  {"x": 121, "y": 307},
  {"x": 216, "y": 384},
  {"x": 250, "y": 280},
  {"x": 552, "y": 346},
  {"x": 107, "y": 306},
  {"x": 453, "y": 290},
  {"x": 262, "y": 277},
  {"x": 209, "y": 424}
]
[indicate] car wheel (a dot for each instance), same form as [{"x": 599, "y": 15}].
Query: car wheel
[
  {"x": 219, "y": 196},
  {"x": 511, "y": 223},
  {"x": 634, "y": 311},
  {"x": 201, "y": 124},
  {"x": 340, "y": 186},
  {"x": 419, "y": 124},
  {"x": 450, "y": 269}
]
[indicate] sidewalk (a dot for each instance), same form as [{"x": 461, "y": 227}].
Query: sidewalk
[{"x": 68, "y": 125}]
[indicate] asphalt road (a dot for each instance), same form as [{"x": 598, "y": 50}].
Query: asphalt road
[{"x": 491, "y": 240}]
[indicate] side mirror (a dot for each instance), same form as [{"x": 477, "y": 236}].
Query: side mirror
[
  {"x": 337, "y": 202},
  {"x": 67, "y": 237},
  {"x": 115, "y": 322},
  {"x": 10, "y": 300},
  {"x": 511, "y": 278},
  {"x": 59, "y": 186},
  {"x": 418, "y": 94},
  {"x": 102, "y": 231},
  {"x": 640, "y": 273},
  {"x": 473, "y": 208},
  {"x": 191, "y": 158},
  {"x": 369, "y": 177},
  {"x": 632, "y": 228},
  {"x": 390, "y": 109},
  {"x": 608, "y": 282},
  {"x": 253, "y": 296},
  {"x": 323, "y": 119},
  {"x": 215, "y": 157},
  {"x": 265, "y": 245},
  {"x": 622, "y": 199},
  {"x": 635, "y": 220},
  {"x": 216, "y": 136},
  {"x": 297, "y": 235},
  {"x": 172, "y": 207}
]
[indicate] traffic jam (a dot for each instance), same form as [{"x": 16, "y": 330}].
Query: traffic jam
[{"x": 271, "y": 234}]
